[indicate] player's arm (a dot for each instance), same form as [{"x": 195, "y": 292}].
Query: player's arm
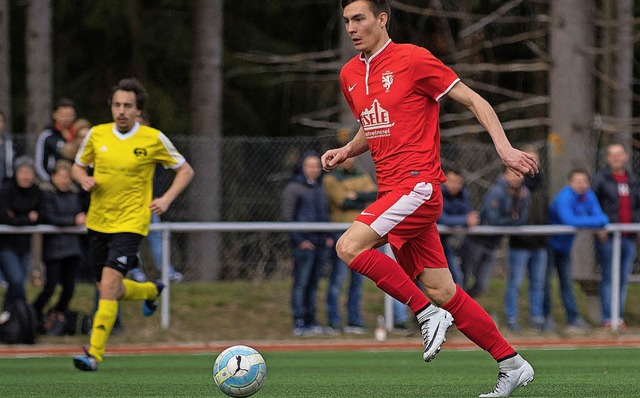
[
  {"x": 519, "y": 162},
  {"x": 184, "y": 175},
  {"x": 357, "y": 146},
  {"x": 80, "y": 175}
]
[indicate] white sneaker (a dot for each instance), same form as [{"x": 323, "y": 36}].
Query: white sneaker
[
  {"x": 511, "y": 380},
  {"x": 434, "y": 322}
]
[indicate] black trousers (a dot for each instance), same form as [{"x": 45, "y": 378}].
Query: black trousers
[{"x": 63, "y": 271}]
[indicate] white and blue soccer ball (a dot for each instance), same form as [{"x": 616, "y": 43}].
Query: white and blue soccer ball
[{"x": 239, "y": 371}]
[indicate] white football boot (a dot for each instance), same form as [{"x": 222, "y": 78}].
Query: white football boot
[
  {"x": 511, "y": 380},
  {"x": 434, "y": 323}
]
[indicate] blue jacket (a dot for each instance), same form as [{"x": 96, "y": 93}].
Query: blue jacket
[
  {"x": 581, "y": 211},
  {"x": 455, "y": 208},
  {"x": 500, "y": 207},
  {"x": 305, "y": 201}
]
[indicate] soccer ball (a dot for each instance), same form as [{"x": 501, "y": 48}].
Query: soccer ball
[{"x": 239, "y": 371}]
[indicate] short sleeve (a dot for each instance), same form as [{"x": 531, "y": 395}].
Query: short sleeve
[
  {"x": 168, "y": 156},
  {"x": 86, "y": 153},
  {"x": 432, "y": 77}
]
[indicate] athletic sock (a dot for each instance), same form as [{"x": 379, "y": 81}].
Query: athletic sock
[
  {"x": 139, "y": 290},
  {"x": 474, "y": 322},
  {"x": 103, "y": 321},
  {"x": 390, "y": 278},
  {"x": 512, "y": 362}
]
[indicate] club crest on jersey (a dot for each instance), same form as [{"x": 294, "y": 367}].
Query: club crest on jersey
[
  {"x": 140, "y": 152},
  {"x": 375, "y": 121},
  {"x": 387, "y": 80}
]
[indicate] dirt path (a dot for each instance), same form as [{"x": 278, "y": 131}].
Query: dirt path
[{"x": 454, "y": 343}]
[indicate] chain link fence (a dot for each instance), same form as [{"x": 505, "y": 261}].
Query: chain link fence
[{"x": 253, "y": 174}]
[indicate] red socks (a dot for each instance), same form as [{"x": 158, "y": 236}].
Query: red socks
[
  {"x": 474, "y": 322},
  {"x": 390, "y": 278}
]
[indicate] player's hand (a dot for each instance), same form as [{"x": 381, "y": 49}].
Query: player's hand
[
  {"x": 333, "y": 157},
  {"x": 159, "y": 205},
  {"x": 88, "y": 183},
  {"x": 519, "y": 162}
]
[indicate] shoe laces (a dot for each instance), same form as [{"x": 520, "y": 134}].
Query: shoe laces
[
  {"x": 424, "y": 328},
  {"x": 503, "y": 380}
]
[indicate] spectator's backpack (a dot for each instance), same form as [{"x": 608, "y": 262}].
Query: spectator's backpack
[{"x": 22, "y": 325}]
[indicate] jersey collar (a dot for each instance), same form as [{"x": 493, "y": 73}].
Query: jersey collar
[
  {"x": 363, "y": 59},
  {"x": 124, "y": 136}
]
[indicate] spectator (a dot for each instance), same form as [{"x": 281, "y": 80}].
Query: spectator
[
  {"x": 528, "y": 254},
  {"x": 6, "y": 163},
  {"x": 61, "y": 253},
  {"x": 70, "y": 148},
  {"x": 506, "y": 204},
  {"x": 303, "y": 200},
  {"x": 574, "y": 205},
  {"x": 618, "y": 193},
  {"x": 53, "y": 138},
  {"x": 7, "y": 153},
  {"x": 349, "y": 191},
  {"x": 456, "y": 212},
  {"x": 20, "y": 200}
]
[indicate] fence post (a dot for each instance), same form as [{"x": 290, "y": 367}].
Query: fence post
[
  {"x": 166, "y": 250},
  {"x": 615, "y": 280}
]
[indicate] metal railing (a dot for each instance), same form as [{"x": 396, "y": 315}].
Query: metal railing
[{"x": 166, "y": 228}]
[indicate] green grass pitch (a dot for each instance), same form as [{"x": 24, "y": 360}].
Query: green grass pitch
[{"x": 350, "y": 374}]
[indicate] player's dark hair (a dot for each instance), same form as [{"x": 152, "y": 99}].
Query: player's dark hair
[
  {"x": 131, "y": 84},
  {"x": 376, "y": 6}
]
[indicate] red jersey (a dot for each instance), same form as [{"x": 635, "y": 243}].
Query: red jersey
[
  {"x": 395, "y": 95},
  {"x": 624, "y": 198}
]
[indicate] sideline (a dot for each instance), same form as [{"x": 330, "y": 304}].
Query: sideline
[{"x": 455, "y": 343}]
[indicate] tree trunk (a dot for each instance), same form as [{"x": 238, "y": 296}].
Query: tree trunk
[
  {"x": 572, "y": 142},
  {"x": 39, "y": 65},
  {"x": 5, "y": 69},
  {"x": 206, "y": 120},
  {"x": 624, "y": 71}
]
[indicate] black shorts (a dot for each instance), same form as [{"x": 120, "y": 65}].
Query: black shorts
[{"x": 114, "y": 250}]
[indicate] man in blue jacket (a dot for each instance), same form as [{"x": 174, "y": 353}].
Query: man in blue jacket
[
  {"x": 456, "y": 212},
  {"x": 304, "y": 200},
  {"x": 506, "y": 204},
  {"x": 574, "y": 205}
]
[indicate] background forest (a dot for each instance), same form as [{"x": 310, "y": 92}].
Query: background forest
[{"x": 280, "y": 62}]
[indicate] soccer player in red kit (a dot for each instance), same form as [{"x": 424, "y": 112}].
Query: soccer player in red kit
[{"x": 394, "y": 91}]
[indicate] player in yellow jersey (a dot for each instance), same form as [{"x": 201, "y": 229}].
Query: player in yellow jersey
[{"x": 124, "y": 155}]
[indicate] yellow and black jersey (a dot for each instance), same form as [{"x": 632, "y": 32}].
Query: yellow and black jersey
[{"x": 124, "y": 165}]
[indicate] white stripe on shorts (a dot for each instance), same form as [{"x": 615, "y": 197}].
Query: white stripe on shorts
[{"x": 402, "y": 208}]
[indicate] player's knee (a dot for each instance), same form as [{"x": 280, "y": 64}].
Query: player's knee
[{"x": 346, "y": 250}]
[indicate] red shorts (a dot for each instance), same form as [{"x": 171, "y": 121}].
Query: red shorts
[{"x": 407, "y": 216}]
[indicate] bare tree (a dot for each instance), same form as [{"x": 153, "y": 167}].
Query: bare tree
[
  {"x": 624, "y": 69},
  {"x": 39, "y": 64},
  {"x": 206, "y": 121},
  {"x": 5, "y": 72},
  {"x": 571, "y": 89}
]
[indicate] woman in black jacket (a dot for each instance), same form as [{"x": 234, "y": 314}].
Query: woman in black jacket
[
  {"x": 20, "y": 200},
  {"x": 61, "y": 253}
]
